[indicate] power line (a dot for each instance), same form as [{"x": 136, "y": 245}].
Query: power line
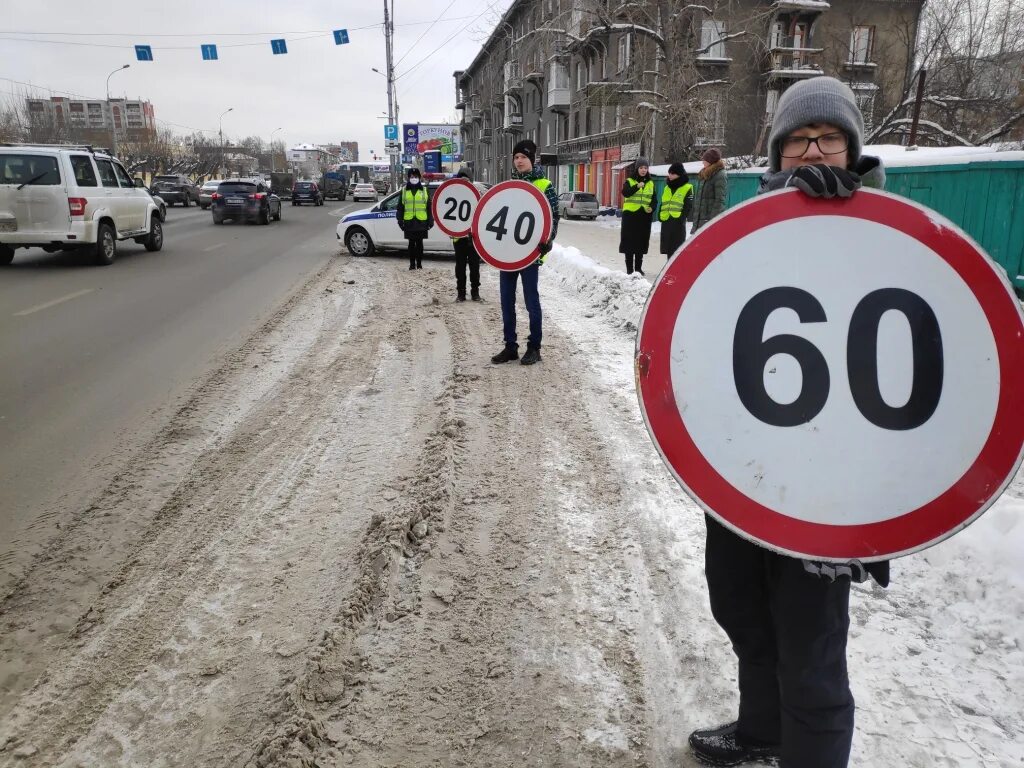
[
  {"x": 490, "y": 7},
  {"x": 411, "y": 47}
]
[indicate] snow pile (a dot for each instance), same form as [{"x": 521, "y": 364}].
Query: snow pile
[
  {"x": 996, "y": 540},
  {"x": 618, "y": 297}
]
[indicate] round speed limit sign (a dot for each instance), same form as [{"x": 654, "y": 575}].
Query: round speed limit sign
[
  {"x": 835, "y": 379},
  {"x": 453, "y": 205},
  {"x": 511, "y": 221}
]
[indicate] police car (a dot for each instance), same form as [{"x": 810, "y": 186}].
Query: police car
[{"x": 376, "y": 228}]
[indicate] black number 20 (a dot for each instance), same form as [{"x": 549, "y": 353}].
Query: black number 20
[
  {"x": 463, "y": 210},
  {"x": 750, "y": 353}
]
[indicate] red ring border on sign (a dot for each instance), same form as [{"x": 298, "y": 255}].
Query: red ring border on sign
[
  {"x": 460, "y": 181},
  {"x": 545, "y": 231},
  {"x": 934, "y": 521}
]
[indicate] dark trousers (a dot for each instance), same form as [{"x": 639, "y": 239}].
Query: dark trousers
[
  {"x": 788, "y": 629},
  {"x": 415, "y": 251},
  {"x": 529, "y": 275},
  {"x": 465, "y": 254},
  {"x": 634, "y": 262}
]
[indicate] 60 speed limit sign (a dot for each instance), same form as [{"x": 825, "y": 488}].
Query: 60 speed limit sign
[
  {"x": 511, "y": 221},
  {"x": 835, "y": 379},
  {"x": 453, "y": 205}
]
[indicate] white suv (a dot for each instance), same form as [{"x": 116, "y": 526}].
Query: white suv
[{"x": 58, "y": 197}]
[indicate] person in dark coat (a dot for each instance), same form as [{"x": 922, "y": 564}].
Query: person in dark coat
[
  {"x": 637, "y": 212},
  {"x": 712, "y": 189},
  {"x": 414, "y": 216},
  {"x": 674, "y": 210},
  {"x": 788, "y": 618},
  {"x": 466, "y": 256}
]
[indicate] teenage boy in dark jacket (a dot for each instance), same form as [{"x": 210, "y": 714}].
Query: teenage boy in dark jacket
[
  {"x": 788, "y": 618},
  {"x": 524, "y": 156},
  {"x": 466, "y": 256}
]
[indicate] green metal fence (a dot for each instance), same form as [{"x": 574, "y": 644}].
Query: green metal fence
[{"x": 985, "y": 198}]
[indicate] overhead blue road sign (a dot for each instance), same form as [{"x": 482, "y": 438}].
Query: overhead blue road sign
[
  {"x": 209, "y": 52},
  {"x": 340, "y": 36},
  {"x": 279, "y": 46},
  {"x": 144, "y": 52},
  {"x": 391, "y": 132}
]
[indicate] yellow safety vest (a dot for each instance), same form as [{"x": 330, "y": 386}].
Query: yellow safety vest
[
  {"x": 542, "y": 184},
  {"x": 640, "y": 199},
  {"x": 415, "y": 204},
  {"x": 672, "y": 202}
]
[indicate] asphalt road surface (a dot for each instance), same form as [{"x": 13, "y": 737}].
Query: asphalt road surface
[{"x": 93, "y": 358}]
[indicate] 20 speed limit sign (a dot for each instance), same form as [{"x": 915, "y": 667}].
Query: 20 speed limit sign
[
  {"x": 453, "y": 205},
  {"x": 835, "y": 379},
  {"x": 511, "y": 221}
]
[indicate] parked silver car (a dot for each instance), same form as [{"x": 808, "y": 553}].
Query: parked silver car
[
  {"x": 206, "y": 193},
  {"x": 578, "y": 205}
]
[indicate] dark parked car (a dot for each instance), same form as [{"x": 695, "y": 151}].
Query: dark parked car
[
  {"x": 307, "y": 192},
  {"x": 245, "y": 199},
  {"x": 206, "y": 193},
  {"x": 176, "y": 189}
]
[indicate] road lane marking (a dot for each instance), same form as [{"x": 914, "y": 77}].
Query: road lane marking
[
  {"x": 214, "y": 247},
  {"x": 55, "y": 302}
]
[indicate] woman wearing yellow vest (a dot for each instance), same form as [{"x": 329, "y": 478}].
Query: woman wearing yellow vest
[
  {"x": 637, "y": 212},
  {"x": 414, "y": 216},
  {"x": 676, "y": 199}
]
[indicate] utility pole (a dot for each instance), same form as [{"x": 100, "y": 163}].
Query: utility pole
[
  {"x": 917, "y": 108},
  {"x": 389, "y": 31}
]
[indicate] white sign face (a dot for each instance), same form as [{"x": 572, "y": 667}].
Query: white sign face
[
  {"x": 511, "y": 221},
  {"x": 833, "y": 379},
  {"x": 454, "y": 203}
]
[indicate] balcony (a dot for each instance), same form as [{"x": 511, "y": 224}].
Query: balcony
[
  {"x": 513, "y": 121},
  {"x": 513, "y": 76},
  {"x": 794, "y": 63},
  {"x": 801, "y": 6},
  {"x": 485, "y": 135},
  {"x": 558, "y": 87}
]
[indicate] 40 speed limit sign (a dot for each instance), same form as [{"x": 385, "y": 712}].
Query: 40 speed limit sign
[
  {"x": 453, "y": 205},
  {"x": 511, "y": 221},
  {"x": 835, "y": 379}
]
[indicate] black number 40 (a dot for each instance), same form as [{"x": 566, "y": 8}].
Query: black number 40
[
  {"x": 497, "y": 225},
  {"x": 751, "y": 352}
]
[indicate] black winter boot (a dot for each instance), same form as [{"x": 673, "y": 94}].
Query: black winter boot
[
  {"x": 629, "y": 263},
  {"x": 721, "y": 746},
  {"x": 474, "y": 294},
  {"x": 461, "y": 296},
  {"x": 639, "y": 264},
  {"x": 507, "y": 355},
  {"x": 532, "y": 356}
]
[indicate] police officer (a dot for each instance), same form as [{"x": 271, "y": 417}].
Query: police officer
[
  {"x": 414, "y": 216},
  {"x": 637, "y": 212},
  {"x": 676, "y": 200},
  {"x": 466, "y": 255}
]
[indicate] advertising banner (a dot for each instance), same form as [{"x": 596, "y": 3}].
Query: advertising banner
[{"x": 423, "y": 137}]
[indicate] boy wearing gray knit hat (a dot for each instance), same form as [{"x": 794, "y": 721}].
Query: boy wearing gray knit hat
[{"x": 788, "y": 618}]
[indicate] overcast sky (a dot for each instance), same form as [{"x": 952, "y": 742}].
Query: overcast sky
[{"x": 318, "y": 92}]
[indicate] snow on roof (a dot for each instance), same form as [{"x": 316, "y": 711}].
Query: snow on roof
[{"x": 811, "y": 5}]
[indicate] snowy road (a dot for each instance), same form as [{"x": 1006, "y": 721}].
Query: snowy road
[{"x": 361, "y": 544}]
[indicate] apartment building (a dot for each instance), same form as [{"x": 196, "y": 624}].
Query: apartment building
[
  {"x": 91, "y": 120},
  {"x": 597, "y": 83}
]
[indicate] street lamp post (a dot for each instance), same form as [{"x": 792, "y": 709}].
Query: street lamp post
[
  {"x": 113, "y": 129},
  {"x": 220, "y": 134},
  {"x": 272, "y": 166}
]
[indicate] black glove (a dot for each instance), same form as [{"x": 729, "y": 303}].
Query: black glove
[
  {"x": 822, "y": 180},
  {"x": 545, "y": 249}
]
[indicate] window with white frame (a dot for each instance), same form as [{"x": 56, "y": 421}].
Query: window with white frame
[
  {"x": 625, "y": 45},
  {"x": 710, "y": 123},
  {"x": 712, "y": 45},
  {"x": 581, "y": 75},
  {"x": 865, "y": 93},
  {"x": 860, "y": 44}
]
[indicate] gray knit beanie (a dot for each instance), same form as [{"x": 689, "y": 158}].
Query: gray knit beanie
[{"x": 817, "y": 100}]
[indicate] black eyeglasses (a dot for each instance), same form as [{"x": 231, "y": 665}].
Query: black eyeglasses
[{"x": 829, "y": 144}]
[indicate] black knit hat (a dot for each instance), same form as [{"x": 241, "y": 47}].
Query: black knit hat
[
  {"x": 528, "y": 148},
  {"x": 412, "y": 172},
  {"x": 464, "y": 174},
  {"x": 678, "y": 170}
]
